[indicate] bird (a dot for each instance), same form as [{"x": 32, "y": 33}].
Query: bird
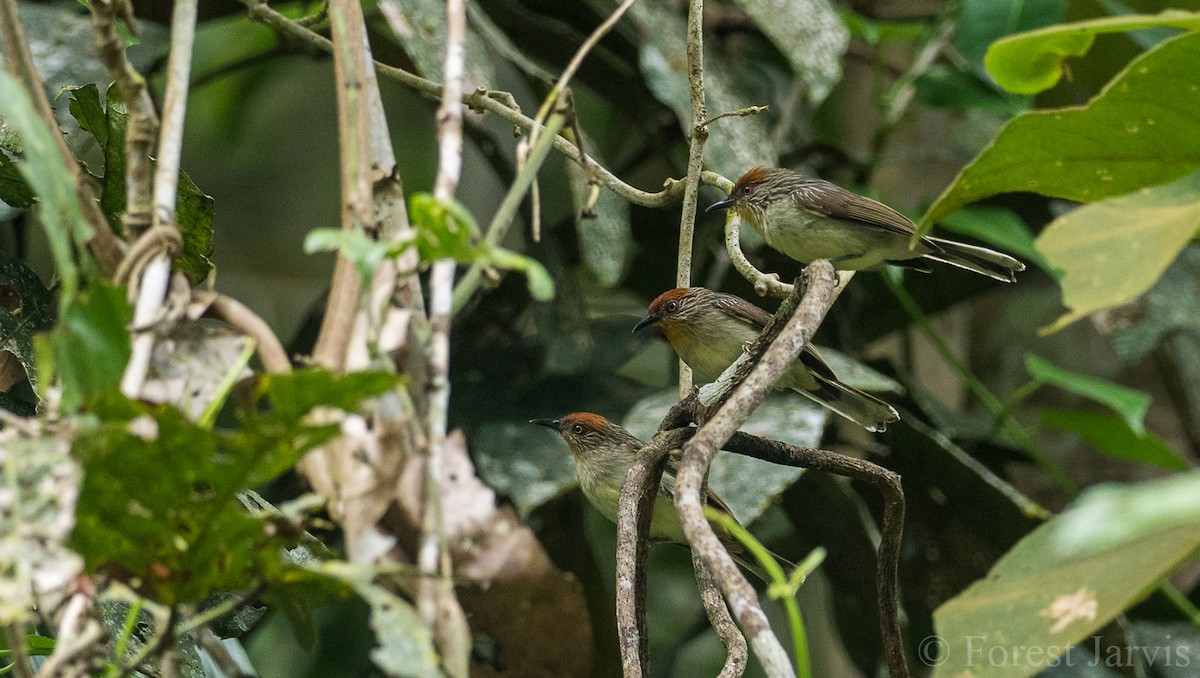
[
  {"x": 709, "y": 330},
  {"x": 810, "y": 219},
  {"x": 603, "y": 453}
]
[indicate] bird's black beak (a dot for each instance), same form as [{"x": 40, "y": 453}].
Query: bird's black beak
[
  {"x": 548, "y": 423},
  {"x": 648, "y": 320},
  {"x": 721, "y": 205}
]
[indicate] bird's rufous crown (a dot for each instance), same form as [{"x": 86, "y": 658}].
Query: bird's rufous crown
[
  {"x": 591, "y": 421},
  {"x": 753, "y": 176},
  {"x": 676, "y": 294}
]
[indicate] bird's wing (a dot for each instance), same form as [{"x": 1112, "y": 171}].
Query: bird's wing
[
  {"x": 816, "y": 364},
  {"x": 832, "y": 200},
  {"x": 743, "y": 310},
  {"x": 668, "y": 485}
]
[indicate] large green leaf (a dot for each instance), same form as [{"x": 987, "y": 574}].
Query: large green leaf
[
  {"x": 1140, "y": 131},
  {"x": 1113, "y": 435},
  {"x": 748, "y": 485},
  {"x": 175, "y": 528},
  {"x": 810, "y": 34},
  {"x": 194, "y": 209},
  {"x": 43, "y": 170},
  {"x": 1041, "y": 598},
  {"x": 1128, "y": 403},
  {"x": 90, "y": 346},
  {"x": 1107, "y": 515},
  {"x": 733, "y": 145},
  {"x": 1112, "y": 251},
  {"x": 529, "y": 464},
  {"x": 603, "y": 230},
  {"x": 982, "y": 22},
  {"x": 1031, "y": 62}
]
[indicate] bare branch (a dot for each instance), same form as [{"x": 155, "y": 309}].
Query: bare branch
[
  {"x": 489, "y": 101},
  {"x": 155, "y": 278},
  {"x": 718, "y": 615},
  {"x": 270, "y": 350},
  {"x": 696, "y": 138},
  {"x": 698, "y": 453}
]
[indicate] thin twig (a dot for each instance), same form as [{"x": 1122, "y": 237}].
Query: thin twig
[
  {"x": 739, "y": 113},
  {"x": 152, "y": 288},
  {"x": 220, "y": 654},
  {"x": 14, "y": 635},
  {"x": 104, "y": 245},
  {"x": 737, "y": 655},
  {"x": 891, "y": 527},
  {"x": 270, "y": 350},
  {"x": 435, "y": 591},
  {"x": 696, "y": 138},
  {"x": 743, "y": 397},
  {"x": 634, "y": 511},
  {"x": 489, "y": 101}
]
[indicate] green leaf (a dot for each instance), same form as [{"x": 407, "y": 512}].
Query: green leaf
[
  {"x": 1131, "y": 405},
  {"x": 194, "y": 211},
  {"x": 541, "y": 285},
  {"x": 1034, "y": 61},
  {"x": 361, "y": 249},
  {"x": 733, "y": 145},
  {"x": 810, "y": 34},
  {"x": 13, "y": 189},
  {"x": 31, "y": 313},
  {"x": 1112, "y": 251},
  {"x": 175, "y": 529},
  {"x": 748, "y": 485},
  {"x": 1139, "y": 131},
  {"x": 999, "y": 227},
  {"x": 602, "y": 230},
  {"x": 1042, "y": 596},
  {"x": 982, "y": 22},
  {"x": 1106, "y": 515},
  {"x": 90, "y": 346},
  {"x": 48, "y": 178},
  {"x": 88, "y": 111},
  {"x": 529, "y": 464},
  {"x": 444, "y": 230},
  {"x": 1114, "y": 436}
]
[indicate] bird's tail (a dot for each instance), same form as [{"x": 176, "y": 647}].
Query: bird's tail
[
  {"x": 747, "y": 561},
  {"x": 991, "y": 263},
  {"x": 858, "y": 406}
]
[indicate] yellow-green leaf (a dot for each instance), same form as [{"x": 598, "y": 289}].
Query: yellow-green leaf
[{"x": 1112, "y": 251}]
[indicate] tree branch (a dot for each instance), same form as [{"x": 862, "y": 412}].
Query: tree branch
[{"x": 732, "y": 409}]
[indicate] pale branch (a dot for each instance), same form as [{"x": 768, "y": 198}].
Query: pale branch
[
  {"x": 696, "y": 138},
  {"x": 891, "y": 528},
  {"x": 731, "y": 411},
  {"x": 634, "y": 511},
  {"x": 104, "y": 245},
  {"x": 270, "y": 350},
  {"x": 350, "y": 62},
  {"x": 435, "y": 590},
  {"x": 487, "y": 100},
  {"x": 155, "y": 277},
  {"x": 737, "y": 654},
  {"x": 764, "y": 283},
  {"x": 18, "y": 659},
  {"x": 142, "y": 126}
]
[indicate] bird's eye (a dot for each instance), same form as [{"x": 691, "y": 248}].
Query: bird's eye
[
  {"x": 578, "y": 429},
  {"x": 747, "y": 189},
  {"x": 672, "y": 306}
]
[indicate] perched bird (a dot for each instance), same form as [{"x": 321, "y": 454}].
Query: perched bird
[
  {"x": 709, "y": 329},
  {"x": 809, "y": 219},
  {"x": 603, "y": 454}
]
